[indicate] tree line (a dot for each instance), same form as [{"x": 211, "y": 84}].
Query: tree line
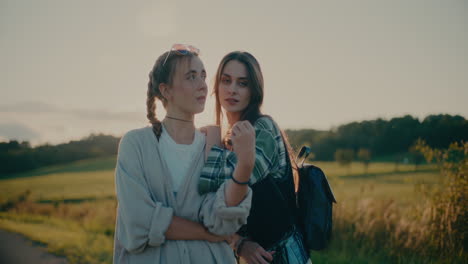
[
  {"x": 382, "y": 138},
  {"x": 377, "y": 138},
  {"x": 20, "y": 156}
]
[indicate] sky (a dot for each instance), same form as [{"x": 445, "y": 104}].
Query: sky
[{"x": 71, "y": 68}]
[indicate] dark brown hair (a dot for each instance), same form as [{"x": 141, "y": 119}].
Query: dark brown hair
[
  {"x": 255, "y": 84},
  {"x": 162, "y": 72}
]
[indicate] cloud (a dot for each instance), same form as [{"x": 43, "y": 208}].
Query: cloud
[
  {"x": 89, "y": 114},
  {"x": 24, "y": 107},
  {"x": 17, "y": 131},
  {"x": 42, "y": 123}
]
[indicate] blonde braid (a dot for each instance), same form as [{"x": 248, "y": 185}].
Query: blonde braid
[{"x": 151, "y": 107}]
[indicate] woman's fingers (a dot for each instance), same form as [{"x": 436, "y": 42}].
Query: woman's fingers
[
  {"x": 265, "y": 254},
  {"x": 204, "y": 130},
  {"x": 242, "y": 127},
  {"x": 236, "y": 130},
  {"x": 247, "y": 126},
  {"x": 253, "y": 253},
  {"x": 254, "y": 259},
  {"x": 259, "y": 258}
]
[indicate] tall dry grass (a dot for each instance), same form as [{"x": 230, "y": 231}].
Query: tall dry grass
[
  {"x": 97, "y": 216},
  {"x": 433, "y": 230}
]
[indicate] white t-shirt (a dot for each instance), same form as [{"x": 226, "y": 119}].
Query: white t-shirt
[{"x": 179, "y": 157}]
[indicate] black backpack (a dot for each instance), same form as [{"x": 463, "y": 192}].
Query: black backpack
[
  {"x": 275, "y": 206},
  {"x": 314, "y": 204}
]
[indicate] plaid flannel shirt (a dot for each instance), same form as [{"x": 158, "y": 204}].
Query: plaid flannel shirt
[{"x": 270, "y": 158}]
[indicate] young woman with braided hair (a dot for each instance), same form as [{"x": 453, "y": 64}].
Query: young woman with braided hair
[{"x": 161, "y": 217}]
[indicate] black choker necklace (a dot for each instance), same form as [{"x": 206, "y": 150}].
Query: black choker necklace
[{"x": 183, "y": 120}]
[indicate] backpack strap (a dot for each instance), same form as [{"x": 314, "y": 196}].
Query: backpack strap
[{"x": 305, "y": 151}]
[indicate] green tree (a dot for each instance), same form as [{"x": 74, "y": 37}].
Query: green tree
[
  {"x": 416, "y": 156},
  {"x": 364, "y": 155},
  {"x": 344, "y": 157}
]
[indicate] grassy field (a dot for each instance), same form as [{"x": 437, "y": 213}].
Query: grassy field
[{"x": 71, "y": 209}]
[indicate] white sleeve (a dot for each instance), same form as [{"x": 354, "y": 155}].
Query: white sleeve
[{"x": 221, "y": 219}]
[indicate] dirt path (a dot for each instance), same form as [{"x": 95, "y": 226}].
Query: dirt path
[{"x": 16, "y": 249}]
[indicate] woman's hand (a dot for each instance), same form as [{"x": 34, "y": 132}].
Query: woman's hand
[
  {"x": 253, "y": 253},
  {"x": 213, "y": 137},
  {"x": 243, "y": 142}
]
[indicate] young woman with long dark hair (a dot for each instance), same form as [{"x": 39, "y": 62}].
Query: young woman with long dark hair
[{"x": 270, "y": 235}]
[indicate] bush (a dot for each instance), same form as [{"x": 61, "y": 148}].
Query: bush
[{"x": 447, "y": 213}]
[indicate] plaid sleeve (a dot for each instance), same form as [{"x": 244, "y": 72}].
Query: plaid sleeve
[
  {"x": 218, "y": 167},
  {"x": 221, "y": 162},
  {"x": 266, "y": 155}
]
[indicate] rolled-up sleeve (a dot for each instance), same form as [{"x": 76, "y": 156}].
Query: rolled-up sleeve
[
  {"x": 142, "y": 221},
  {"x": 221, "y": 219}
]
